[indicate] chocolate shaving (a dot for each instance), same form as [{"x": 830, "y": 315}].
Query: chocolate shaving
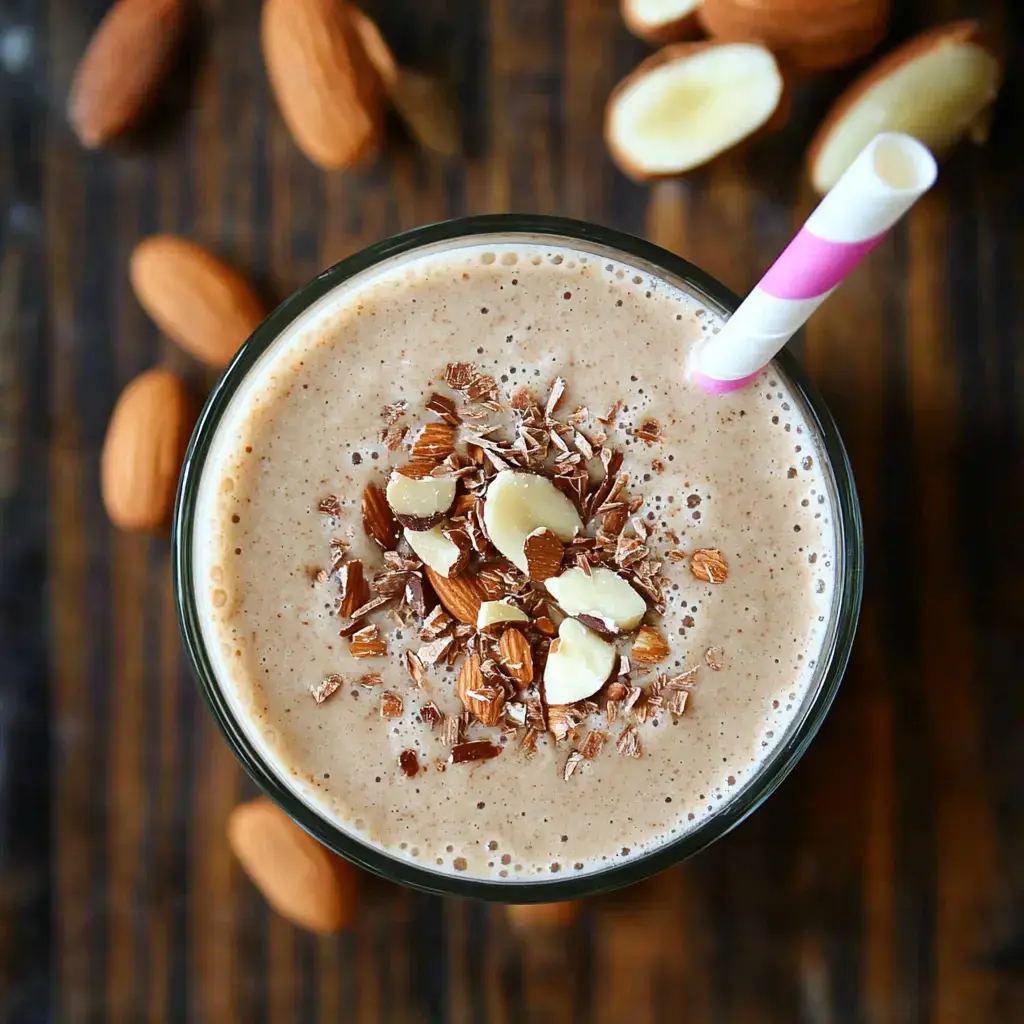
[
  {"x": 328, "y": 685},
  {"x": 476, "y": 750}
]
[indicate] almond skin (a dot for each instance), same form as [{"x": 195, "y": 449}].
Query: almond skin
[
  {"x": 194, "y": 298},
  {"x": 302, "y": 880},
  {"x": 143, "y": 451},
  {"x": 127, "y": 58},
  {"x": 328, "y": 92},
  {"x": 461, "y": 596}
]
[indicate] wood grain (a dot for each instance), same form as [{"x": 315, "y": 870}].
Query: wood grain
[{"x": 884, "y": 882}]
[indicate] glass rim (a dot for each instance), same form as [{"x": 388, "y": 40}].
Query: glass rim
[{"x": 834, "y": 657}]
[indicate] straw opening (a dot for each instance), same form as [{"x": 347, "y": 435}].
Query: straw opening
[{"x": 903, "y": 164}]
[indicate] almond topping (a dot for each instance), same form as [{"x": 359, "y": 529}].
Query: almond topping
[
  {"x": 434, "y": 441},
  {"x": 708, "y": 565},
  {"x": 715, "y": 657},
  {"x": 330, "y": 684},
  {"x": 480, "y": 699},
  {"x": 444, "y": 407},
  {"x": 367, "y": 643},
  {"x": 545, "y": 626},
  {"x": 391, "y": 705},
  {"x": 354, "y": 589},
  {"x": 430, "y": 714},
  {"x": 574, "y": 761},
  {"x": 649, "y": 431},
  {"x": 415, "y": 668},
  {"x": 579, "y": 664},
  {"x": 495, "y": 613},
  {"x": 675, "y": 702},
  {"x": 649, "y": 646},
  {"x": 420, "y": 503},
  {"x": 378, "y": 520},
  {"x": 460, "y": 595},
  {"x": 543, "y": 551},
  {"x": 432, "y": 653},
  {"x": 516, "y": 657},
  {"x": 592, "y": 745},
  {"x": 444, "y": 552},
  {"x": 628, "y": 743}
]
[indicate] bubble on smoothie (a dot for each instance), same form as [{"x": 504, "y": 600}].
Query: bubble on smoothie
[
  {"x": 487, "y": 258},
  {"x": 509, "y": 259}
]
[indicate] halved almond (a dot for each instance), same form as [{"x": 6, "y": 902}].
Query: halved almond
[
  {"x": 937, "y": 87},
  {"x": 438, "y": 551},
  {"x": 688, "y": 103},
  {"x": 493, "y": 613},
  {"x": 810, "y": 35},
  {"x": 602, "y": 594},
  {"x": 519, "y": 503},
  {"x": 422, "y": 503},
  {"x": 579, "y": 664},
  {"x": 661, "y": 21}
]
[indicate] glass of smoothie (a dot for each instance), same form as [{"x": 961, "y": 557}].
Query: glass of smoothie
[{"x": 483, "y": 591}]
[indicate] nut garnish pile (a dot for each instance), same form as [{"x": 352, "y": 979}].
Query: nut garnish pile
[{"x": 524, "y": 561}]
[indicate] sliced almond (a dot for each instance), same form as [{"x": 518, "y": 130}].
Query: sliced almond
[
  {"x": 660, "y": 21},
  {"x": 494, "y": 613},
  {"x": 420, "y": 504},
  {"x": 354, "y": 589},
  {"x": 438, "y": 551},
  {"x": 435, "y": 441},
  {"x": 709, "y": 565},
  {"x": 516, "y": 657},
  {"x": 367, "y": 643},
  {"x": 461, "y": 596},
  {"x": 602, "y": 594},
  {"x": 543, "y": 551},
  {"x": 378, "y": 520},
  {"x": 649, "y": 646},
  {"x": 481, "y": 699},
  {"x": 936, "y": 87},
  {"x": 518, "y": 504},
  {"x": 687, "y": 104},
  {"x": 579, "y": 664}
]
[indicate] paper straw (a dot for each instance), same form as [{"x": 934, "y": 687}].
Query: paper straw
[{"x": 887, "y": 178}]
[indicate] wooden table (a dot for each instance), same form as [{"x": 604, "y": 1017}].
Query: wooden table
[{"x": 884, "y": 882}]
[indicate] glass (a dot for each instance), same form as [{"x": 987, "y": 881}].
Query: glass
[{"x": 831, "y": 663}]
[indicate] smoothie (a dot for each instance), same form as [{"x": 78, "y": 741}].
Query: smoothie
[{"x": 614, "y": 720}]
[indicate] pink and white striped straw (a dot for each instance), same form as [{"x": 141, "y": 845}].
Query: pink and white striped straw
[{"x": 891, "y": 173}]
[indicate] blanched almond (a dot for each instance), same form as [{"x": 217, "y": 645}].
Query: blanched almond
[
  {"x": 936, "y": 87},
  {"x": 420, "y": 503},
  {"x": 688, "y": 103},
  {"x": 602, "y": 594},
  {"x": 493, "y": 613},
  {"x": 579, "y": 664},
  {"x": 519, "y": 503},
  {"x": 438, "y": 551}
]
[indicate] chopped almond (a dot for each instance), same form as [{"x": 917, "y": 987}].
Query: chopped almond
[
  {"x": 480, "y": 699},
  {"x": 327, "y": 686},
  {"x": 354, "y": 590},
  {"x": 435, "y": 441},
  {"x": 391, "y": 705},
  {"x": 543, "y": 551},
  {"x": 477, "y": 750},
  {"x": 709, "y": 565},
  {"x": 715, "y": 657},
  {"x": 409, "y": 762},
  {"x": 592, "y": 745},
  {"x": 649, "y": 646},
  {"x": 367, "y": 643},
  {"x": 415, "y": 667}
]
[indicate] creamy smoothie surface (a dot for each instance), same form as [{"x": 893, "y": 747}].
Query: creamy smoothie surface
[{"x": 725, "y": 511}]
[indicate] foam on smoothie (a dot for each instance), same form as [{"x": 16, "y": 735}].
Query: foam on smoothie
[{"x": 741, "y": 473}]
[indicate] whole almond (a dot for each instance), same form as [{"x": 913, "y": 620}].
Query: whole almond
[
  {"x": 194, "y": 298},
  {"x": 461, "y": 596},
  {"x": 143, "y": 451},
  {"x": 329, "y": 93},
  {"x": 517, "y": 657},
  {"x": 128, "y": 56},
  {"x": 302, "y": 880}
]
